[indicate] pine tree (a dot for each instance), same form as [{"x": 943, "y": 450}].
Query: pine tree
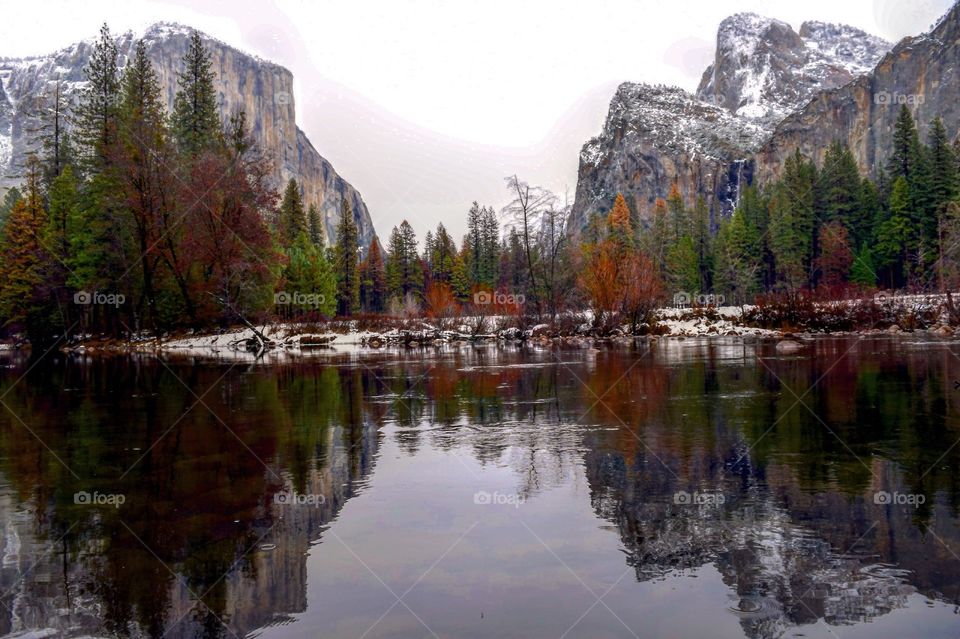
[
  {"x": 315, "y": 226},
  {"x": 683, "y": 272},
  {"x": 475, "y": 243},
  {"x": 99, "y": 104},
  {"x": 346, "y": 262},
  {"x": 64, "y": 202},
  {"x": 700, "y": 229},
  {"x": 308, "y": 273},
  {"x": 53, "y": 131},
  {"x": 739, "y": 250},
  {"x": 459, "y": 280},
  {"x": 656, "y": 237},
  {"x": 839, "y": 187},
  {"x": 290, "y": 220},
  {"x": 22, "y": 271},
  {"x": 373, "y": 279},
  {"x": 404, "y": 268},
  {"x": 196, "y": 116},
  {"x": 792, "y": 222},
  {"x": 943, "y": 167},
  {"x": 490, "y": 243},
  {"x": 147, "y": 184},
  {"x": 678, "y": 220},
  {"x": 863, "y": 271},
  {"x": 441, "y": 256},
  {"x": 11, "y": 197},
  {"x": 897, "y": 236},
  {"x": 908, "y": 160}
]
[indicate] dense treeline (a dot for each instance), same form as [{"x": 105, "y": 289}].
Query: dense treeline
[
  {"x": 826, "y": 226},
  {"x": 134, "y": 220}
]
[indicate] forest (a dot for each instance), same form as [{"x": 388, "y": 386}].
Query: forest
[{"x": 134, "y": 221}]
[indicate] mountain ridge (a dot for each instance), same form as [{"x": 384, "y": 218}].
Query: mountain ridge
[{"x": 763, "y": 71}]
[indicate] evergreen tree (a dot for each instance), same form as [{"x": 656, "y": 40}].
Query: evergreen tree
[
  {"x": 147, "y": 186},
  {"x": 315, "y": 226},
  {"x": 9, "y": 199},
  {"x": 792, "y": 224},
  {"x": 683, "y": 272},
  {"x": 908, "y": 160},
  {"x": 404, "y": 268},
  {"x": 53, "y": 133},
  {"x": 373, "y": 279},
  {"x": 739, "y": 253},
  {"x": 291, "y": 219},
  {"x": 347, "y": 262},
  {"x": 309, "y": 274},
  {"x": 23, "y": 269},
  {"x": 839, "y": 187},
  {"x": 459, "y": 280},
  {"x": 441, "y": 256},
  {"x": 897, "y": 236},
  {"x": 490, "y": 242},
  {"x": 99, "y": 104},
  {"x": 656, "y": 237},
  {"x": 700, "y": 229},
  {"x": 943, "y": 167},
  {"x": 677, "y": 212},
  {"x": 863, "y": 270},
  {"x": 196, "y": 116}
]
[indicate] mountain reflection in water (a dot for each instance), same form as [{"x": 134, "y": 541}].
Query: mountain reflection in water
[{"x": 581, "y": 454}]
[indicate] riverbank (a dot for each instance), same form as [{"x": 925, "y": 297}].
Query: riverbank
[{"x": 923, "y": 314}]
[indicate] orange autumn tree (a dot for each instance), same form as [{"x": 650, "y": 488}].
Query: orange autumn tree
[
  {"x": 618, "y": 279},
  {"x": 440, "y": 301}
]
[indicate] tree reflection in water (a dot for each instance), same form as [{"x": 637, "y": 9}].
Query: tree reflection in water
[{"x": 199, "y": 449}]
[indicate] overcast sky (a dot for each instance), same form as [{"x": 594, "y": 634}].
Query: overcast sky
[{"x": 426, "y": 105}]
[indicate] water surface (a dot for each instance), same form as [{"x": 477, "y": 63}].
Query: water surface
[{"x": 691, "y": 489}]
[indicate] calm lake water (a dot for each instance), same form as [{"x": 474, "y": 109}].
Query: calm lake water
[{"x": 695, "y": 489}]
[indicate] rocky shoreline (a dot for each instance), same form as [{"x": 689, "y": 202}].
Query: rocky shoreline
[{"x": 678, "y": 324}]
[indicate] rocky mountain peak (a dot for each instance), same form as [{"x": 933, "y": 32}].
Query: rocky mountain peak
[
  {"x": 764, "y": 70},
  {"x": 658, "y": 137}
]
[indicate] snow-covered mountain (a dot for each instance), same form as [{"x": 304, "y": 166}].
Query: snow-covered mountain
[
  {"x": 921, "y": 72},
  {"x": 762, "y": 72},
  {"x": 261, "y": 88},
  {"x": 763, "y": 69}
]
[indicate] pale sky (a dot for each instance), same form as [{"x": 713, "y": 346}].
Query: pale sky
[{"x": 425, "y": 105}]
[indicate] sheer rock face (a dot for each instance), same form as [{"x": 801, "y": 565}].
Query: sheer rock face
[
  {"x": 655, "y": 137},
  {"x": 921, "y": 72},
  {"x": 705, "y": 143},
  {"x": 262, "y": 89},
  {"x": 764, "y": 70}
]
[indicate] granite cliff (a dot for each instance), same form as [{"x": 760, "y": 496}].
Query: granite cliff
[
  {"x": 707, "y": 143},
  {"x": 261, "y": 88}
]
